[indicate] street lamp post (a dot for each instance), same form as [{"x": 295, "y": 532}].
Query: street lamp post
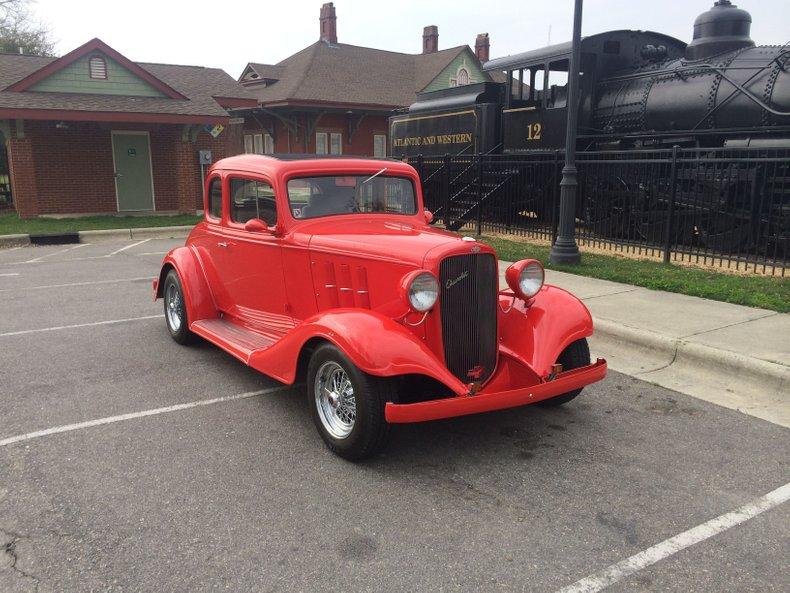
[{"x": 565, "y": 250}]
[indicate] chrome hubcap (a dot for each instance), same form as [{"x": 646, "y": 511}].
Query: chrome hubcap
[
  {"x": 174, "y": 307},
  {"x": 334, "y": 399}
]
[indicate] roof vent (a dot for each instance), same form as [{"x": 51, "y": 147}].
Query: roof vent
[{"x": 723, "y": 28}]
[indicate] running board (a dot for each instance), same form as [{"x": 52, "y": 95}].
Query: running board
[{"x": 236, "y": 339}]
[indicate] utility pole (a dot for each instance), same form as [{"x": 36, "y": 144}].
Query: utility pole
[{"x": 565, "y": 250}]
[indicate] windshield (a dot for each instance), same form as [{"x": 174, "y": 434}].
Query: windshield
[{"x": 310, "y": 197}]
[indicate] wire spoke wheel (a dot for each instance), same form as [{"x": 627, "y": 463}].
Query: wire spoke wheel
[
  {"x": 174, "y": 307},
  {"x": 334, "y": 399}
]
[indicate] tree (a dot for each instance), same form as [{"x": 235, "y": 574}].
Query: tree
[{"x": 20, "y": 33}]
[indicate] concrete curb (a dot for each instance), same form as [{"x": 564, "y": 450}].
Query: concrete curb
[
  {"x": 14, "y": 240},
  {"x": 744, "y": 383},
  {"x": 681, "y": 350},
  {"x": 164, "y": 232}
]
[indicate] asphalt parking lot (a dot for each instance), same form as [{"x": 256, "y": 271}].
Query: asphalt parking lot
[{"x": 129, "y": 463}]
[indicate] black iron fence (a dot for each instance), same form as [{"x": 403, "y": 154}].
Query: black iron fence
[{"x": 723, "y": 207}]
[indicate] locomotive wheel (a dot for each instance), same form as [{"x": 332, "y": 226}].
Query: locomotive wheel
[
  {"x": 575, "y": 356},
  {"x": 347, "y": 405}
]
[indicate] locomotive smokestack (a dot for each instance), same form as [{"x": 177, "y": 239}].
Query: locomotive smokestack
[{"x": 723, "y": 28}]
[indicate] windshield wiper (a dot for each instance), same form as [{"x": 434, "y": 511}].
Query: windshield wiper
[{"x": 374, "y": 176}]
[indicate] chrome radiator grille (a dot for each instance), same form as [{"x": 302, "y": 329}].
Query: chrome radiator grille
[{"x": 469, "y": 285}]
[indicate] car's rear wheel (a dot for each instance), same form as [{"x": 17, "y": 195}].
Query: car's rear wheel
[
  {"x": 347, "y": 404},
  {"x": 176, "y": 310},
  {"x": 575, "y": 356}
]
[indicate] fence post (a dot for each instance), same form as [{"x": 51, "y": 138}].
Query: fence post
[
  {"x": 555, "y": 177},
  {"x": 479, "y": 194},
  {"x": 671, "y": 210},
  {"x": 446, "y": 190}
]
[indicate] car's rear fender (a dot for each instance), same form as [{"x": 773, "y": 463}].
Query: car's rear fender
[
  {"x": 536, "y": 333},
  {"x": 197, "y": 294},
  {"x": 373, "y": 342}
]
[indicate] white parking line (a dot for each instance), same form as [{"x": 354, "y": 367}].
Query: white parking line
[
  {"x": 117, "y": 251},
  {"x": 38, "y": 259},
  {"x": 9, "y": 274},
  {"x": 617, "y": 572},
  {"x": 77, "y": 325},
  {"x": 90, "y": 283},
  {"x": 120, "y": 418}
]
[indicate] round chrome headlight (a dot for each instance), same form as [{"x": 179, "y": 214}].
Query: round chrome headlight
[
  {"x": 525, "y": 278},
  {"x": 422, "y": 290}
]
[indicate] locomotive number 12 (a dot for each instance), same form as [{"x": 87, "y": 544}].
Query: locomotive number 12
[{"x": 534, "y": 131}]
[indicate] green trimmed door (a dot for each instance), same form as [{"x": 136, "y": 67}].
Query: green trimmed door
[{"x": 134, "y": 186}]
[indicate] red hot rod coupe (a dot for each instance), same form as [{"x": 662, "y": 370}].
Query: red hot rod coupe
[{"x": 325, "y": 270}]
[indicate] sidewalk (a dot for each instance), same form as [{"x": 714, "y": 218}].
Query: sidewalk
[{"x": 734, "y": 356}]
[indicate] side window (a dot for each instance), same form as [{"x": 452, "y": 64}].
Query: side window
[
  {"x": 215, "y": 198},
  {"x": 252, "y": 199}
]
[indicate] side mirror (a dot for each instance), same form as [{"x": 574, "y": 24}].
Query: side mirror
[
  {"x": 428, "y": 216},
  {"x": 256, "y": 225}
]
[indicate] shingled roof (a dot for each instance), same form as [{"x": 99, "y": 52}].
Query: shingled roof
[
  {"x": 349, "y": 74},
  {"x": 201, "y": 93}
]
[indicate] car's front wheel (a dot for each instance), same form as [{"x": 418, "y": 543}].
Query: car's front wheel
[
  {"x": 176, "y": 310},
  {"x": 575, "y": 356},
  {"x": 347, "y": 404}
]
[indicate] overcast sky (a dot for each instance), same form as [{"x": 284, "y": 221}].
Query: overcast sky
[{"x": 230, "y": 33}]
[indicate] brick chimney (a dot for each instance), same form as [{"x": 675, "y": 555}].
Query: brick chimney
[
  {"x": 430, "y": 39},
  {"x": 481, "y": 47},
  {"x": 328, "y": 22}
]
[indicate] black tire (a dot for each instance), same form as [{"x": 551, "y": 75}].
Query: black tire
[
  {"x": 370, "y": 431},
  {"x": 573, "y": 357},
  {"x": 181, "y": 333}
]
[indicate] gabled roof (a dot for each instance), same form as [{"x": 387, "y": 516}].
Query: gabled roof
[
  {"x": 264, "y": 71},
  {"x": 195, "y": 94},
  {"x": 94, "y": 44},
  {"x": 349, "y": 74}
]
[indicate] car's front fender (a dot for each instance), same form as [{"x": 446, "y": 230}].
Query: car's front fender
[
  {"x": 537, "y": 332},
  {"x": 197, "y": 294},
  {"x": 373, "y": 342}
]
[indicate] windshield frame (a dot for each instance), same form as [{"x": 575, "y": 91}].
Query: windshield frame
[{"x": 363, "y": 174}]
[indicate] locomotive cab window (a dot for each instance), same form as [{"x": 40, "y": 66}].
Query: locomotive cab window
[{"x": 557, "y": 89}]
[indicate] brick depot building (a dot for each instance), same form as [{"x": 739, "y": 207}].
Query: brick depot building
[
  {"x": 336, "y": 98},
  {"x": 94, "y": 132}
]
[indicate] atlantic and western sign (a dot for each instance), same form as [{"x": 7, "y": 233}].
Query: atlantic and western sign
[{"x": 434, "y": 135}]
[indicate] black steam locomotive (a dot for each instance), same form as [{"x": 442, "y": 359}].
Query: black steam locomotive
[{"x": 638, "y": 90}]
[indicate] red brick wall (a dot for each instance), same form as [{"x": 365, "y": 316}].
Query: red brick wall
[
  {"x": 286, "y": 142},
  {"x": 70, "y": 170}
]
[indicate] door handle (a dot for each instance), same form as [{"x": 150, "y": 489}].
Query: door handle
[
  {"x": 117, "y": 175},
  {"x": 222, "y": 244}
]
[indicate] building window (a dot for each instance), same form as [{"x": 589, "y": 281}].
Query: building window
[
  {"x": 321, "y": 146},
  {"x": 97, "y": 68},
  {"x": 252, "y": 199},
  {"x": 328, "y": 143},
  {"x": 335, "y": 143},
  {"x": 258, "y": 144},
  {"x": 463, "y": 77},
  {"x": 379, "y": 145}
]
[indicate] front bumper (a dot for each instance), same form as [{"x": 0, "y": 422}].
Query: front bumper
[{"x": 487, "y": 402}]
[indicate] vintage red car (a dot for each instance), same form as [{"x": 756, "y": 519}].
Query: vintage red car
[{"x": 326, "y": 270}]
